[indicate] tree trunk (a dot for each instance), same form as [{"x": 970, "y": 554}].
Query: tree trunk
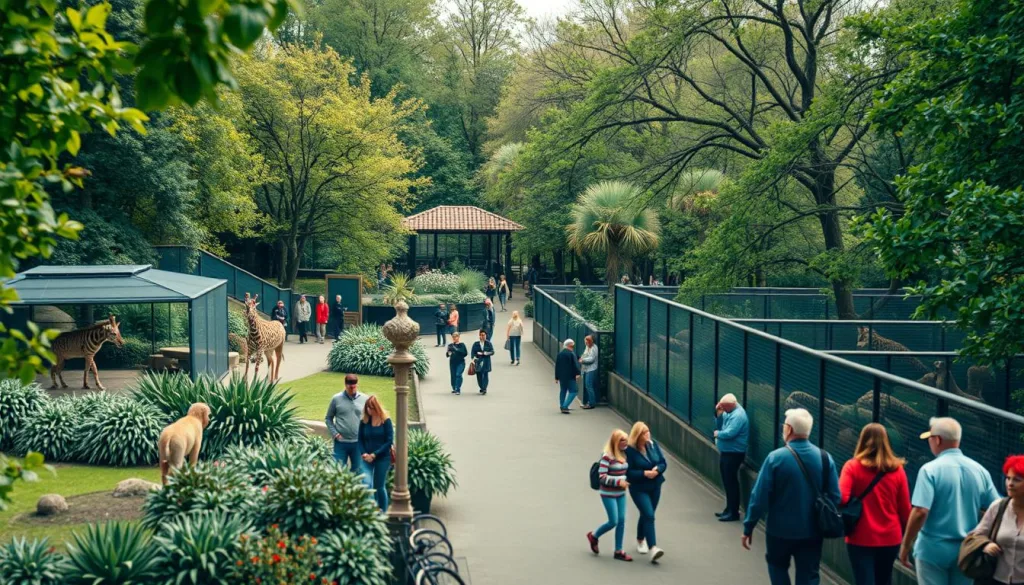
[
  {"x": 559, "y": 264},
  {"x": 833, "y": 233},
  {"x": 292, "y": 262},
  {"x": 282, "y": 256}
]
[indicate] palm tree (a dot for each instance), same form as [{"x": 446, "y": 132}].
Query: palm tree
[
  {"x": 607, "y": 219},
  {"x": 696, "y": 189}
]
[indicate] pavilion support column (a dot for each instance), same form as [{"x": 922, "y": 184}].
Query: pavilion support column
[
  {"x": 488, "y": 263},
  {"x": 411, "y": 268},
  {"x": 508, "y": 259},
  {"x": 435, "y": 249}
]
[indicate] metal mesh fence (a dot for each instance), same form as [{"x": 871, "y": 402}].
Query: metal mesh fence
[
  {"x": 554, "y": 322},
  {"x": 849, "y": 335},
  {"x": 772, "y": 304}
]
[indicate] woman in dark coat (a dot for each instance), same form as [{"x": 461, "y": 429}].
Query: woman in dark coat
[
  {"x": 645, "y": 475},
  {"x": 482, "y": 352},
  {"x": 456, "y": 354}
]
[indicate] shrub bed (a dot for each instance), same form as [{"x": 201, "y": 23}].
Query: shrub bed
[
  {"x": 365, "y": 350},
  {"x": 17, "y": 402}
]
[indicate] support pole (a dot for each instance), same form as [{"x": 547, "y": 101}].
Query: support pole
[{"x": 401, "y": 331}]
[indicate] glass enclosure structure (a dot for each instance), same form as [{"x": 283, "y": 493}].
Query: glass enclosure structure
[{"x": 477, "y": 238}]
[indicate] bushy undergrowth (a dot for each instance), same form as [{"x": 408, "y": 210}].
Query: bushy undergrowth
[
  {"x": 431, "y": 469},
  {"x": 213, "y": 487},
  {"x": 114, "y": 553},
  {"x": 31, "y": 563},
  {"x": 52, "y": 429},
  {"x": 260, "y": 464},
  {"x": 596, "y": 308},
  {"x": 123, "y": 433},
  {"x": 365, "y": 350},
  {"x": 17, "y": 401},
  {"x": 200, "y": 548},
  {"x": 132, "y": 354},
  {"x": 353, "y": 560}
]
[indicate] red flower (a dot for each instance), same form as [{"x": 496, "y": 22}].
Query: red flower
[
  {"x": 312, "y": 540},
  {"x": 255, "y": 560},
  {"x": 281, "y": 545},
  {"x": 265, "y": 491},
  {"x": 276, "y": 558},
  {"x": 312, "y": 577}
]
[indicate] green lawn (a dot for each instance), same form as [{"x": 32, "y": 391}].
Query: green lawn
[
  {"x": 70, "y": 480},
  {"x": 310, "y": 286},
  {"x": 313, "y": 393}
]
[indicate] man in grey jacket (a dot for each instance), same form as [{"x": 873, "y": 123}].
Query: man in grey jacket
[
  {"x": 589, "y": 362},
  {"x": 343, "y": 416},
  {"x": 303, "y": 312}
]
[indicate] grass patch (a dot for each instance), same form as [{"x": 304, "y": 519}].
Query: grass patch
[
  {"x": 71, "y": 480},
  {"x": 313, "y": 393},
  {"x": 310, "y": 286}
]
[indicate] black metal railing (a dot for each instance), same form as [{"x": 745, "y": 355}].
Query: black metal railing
[
  {"x": 845, "y": 335},
  {"x": 685, "y": 359},
  {"x": 804, "y": 305}
]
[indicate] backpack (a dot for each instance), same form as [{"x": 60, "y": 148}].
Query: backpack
[
  {"x": 595, "y": 476},
  {"x": 853, "y": 509},
  {"x": 827, "y": 517}
]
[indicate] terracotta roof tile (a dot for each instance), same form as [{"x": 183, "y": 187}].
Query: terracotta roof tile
[{"x": 459, "y": 218}]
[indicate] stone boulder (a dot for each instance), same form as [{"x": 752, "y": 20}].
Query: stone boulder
[
  {"x": 51, "y": 505},
  {"x": 134, "y": 487}
]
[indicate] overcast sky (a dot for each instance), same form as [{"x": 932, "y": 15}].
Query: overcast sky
[{"x": 545, "y": 8}]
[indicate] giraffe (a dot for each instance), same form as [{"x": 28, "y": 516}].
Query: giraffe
[
  {"x": 265, "y": 337},
  {"x": 84, "y": 343}
]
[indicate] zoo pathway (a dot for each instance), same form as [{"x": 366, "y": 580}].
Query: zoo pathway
[{"x": 524, "y": 501}]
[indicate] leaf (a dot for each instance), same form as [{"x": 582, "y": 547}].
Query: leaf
[
  {"x": 186, "y": 83},
  {"x": 160, "y": 16},
  {"x": 244, "y": 24}
]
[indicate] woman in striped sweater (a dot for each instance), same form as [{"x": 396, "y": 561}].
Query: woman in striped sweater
[{"x": 613, "y": 493}]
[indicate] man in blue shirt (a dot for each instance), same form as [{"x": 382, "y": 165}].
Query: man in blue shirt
[
  {"x": 784, "y": 494},
  {"x": 731, "y": 440},
  {"x": 951, "y": 494},
  {"x": 342, "y": 420}
]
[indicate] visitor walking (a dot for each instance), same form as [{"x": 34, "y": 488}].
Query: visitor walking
[
  {"x": 376, "y": 436},
  {"x": 612, "y": 477},
  {"x": 323, "y": 314},
  {"x": 343, "y": 416},
  {"x": 303, "y": 312},
  {"x": 875, "y": 478},
  {"x": 503, "y": 292},
  {"x": 646, "y": 473},
  {"x": 1007, "y": 518},
  {"x": 514, "y": 333},
  {"x": 589, "y": 370},
  {"x": 566, "y": 371},
  {"x": 482, "y": 352},
  {"x": 338, "y": 314},
  {"x": 441, "y": 323},
  {"x": 949, "y": 494},
  {"x": 456, "y": 354},
  {"x": 785, "y": 493},
  {"x": 453, "y": 318},
  {"x": 280, "y": 314},
  {"x": 489, "y": 318},
  {"x": 731, "y": 440},
  {"x": 492, "y": 290}
]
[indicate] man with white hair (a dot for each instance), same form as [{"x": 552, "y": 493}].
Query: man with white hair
[
  {"x": 784, "y": 492},
  {"x": 731, "y": 440},
  {"x": 567, "y": 368},
  {"x": 951, "y": 493}
]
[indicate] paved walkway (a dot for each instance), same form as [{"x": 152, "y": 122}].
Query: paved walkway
[{"x": 524, "y": 501}]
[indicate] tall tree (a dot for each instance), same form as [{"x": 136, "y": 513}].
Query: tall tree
[{"x": 333, "y": 162}]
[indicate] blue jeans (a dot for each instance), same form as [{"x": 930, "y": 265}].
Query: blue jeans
[
  {"x": 515, "y": 347},
  {"x": 646, "y": 501},
  {"x": 455, "y": 369},
  {"x": 482, "y": 379},
  {"x": 379, "y": 474},
  {"x": 566, "y": 393},
  {"x": 590, "y": 388},
  {"x": 490, "y": 332},
  {"x": 441, "y": 330},
  {"x": 932, "y": 574},
  {"x": 501, "y": 299},
  {"x": 806, "y": 555},
  {"x": 872, "y": 565},
  {"x": 353, "y": 455},
  {"x": 616, "y": 510}
]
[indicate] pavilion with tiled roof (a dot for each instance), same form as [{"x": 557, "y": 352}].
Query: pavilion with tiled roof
[{"x": 464, "y": 232}]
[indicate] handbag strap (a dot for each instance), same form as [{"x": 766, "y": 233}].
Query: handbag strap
[
  {"x": 999, "y": 520},
  {"x": 878, "y": 477},
  {"x": 807, "y": 475}
]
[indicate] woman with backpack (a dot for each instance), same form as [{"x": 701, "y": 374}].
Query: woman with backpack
[
  {"x": 645, "y": 475},
  {"x": 612, "y": 485},
  {"x": 875, "y": 478}
]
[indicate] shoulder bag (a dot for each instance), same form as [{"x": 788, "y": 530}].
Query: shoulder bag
[
  {"x": 972, "y": 560},
  {"x": 826, "y": 515},
  {"x": 853, "y": 509}
]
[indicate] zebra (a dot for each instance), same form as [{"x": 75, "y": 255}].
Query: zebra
[{"x": 84, "y": 343}]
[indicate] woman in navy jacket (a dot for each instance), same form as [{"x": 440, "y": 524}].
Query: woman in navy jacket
[
  {"x": 482, "y": 352},
  {"x": 646, "y": 473},
  {"x": 376, "y": 436}
]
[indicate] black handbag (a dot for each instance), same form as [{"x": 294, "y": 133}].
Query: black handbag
[
  {"x": 826, "y": 515},
  {"x": 853, "y": 509}
]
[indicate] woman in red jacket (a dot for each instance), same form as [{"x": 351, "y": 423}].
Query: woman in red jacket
[
  {"x": 875, "y": 542},
  {"x": 323, "y": 313}
]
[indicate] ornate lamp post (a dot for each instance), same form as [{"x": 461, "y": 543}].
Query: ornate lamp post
[{"x": 401, "y": 331}]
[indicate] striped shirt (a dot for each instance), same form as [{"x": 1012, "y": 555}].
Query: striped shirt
[{"x": 612, "y": 474}]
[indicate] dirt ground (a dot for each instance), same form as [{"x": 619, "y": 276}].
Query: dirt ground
[{"x": 95, "y": 507}]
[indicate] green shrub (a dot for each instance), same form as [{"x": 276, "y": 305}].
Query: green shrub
[
  {"x": 471, "y": 280},
  {"x": 122, "y": 434},
  {"x": 260, "y": 464},
  {"x": 354, "y": 560},
  {"x": 200, "y": 548},
  {"x": 52, "y": 429},
  {"x": 473, "y": 297},
  {"x": 456, "y": 266},
  {"x": 528, "y": 309},
  {"x": 276, "y": 558},
  {"x": 213, "y": 487},
  {"x": 400, "y": 289},
  {"x": 140, "y": 321},
  {"x": 436, "y": 282},
  {"x": 17, "y": 401},
  {"x": 237, "y": 324},
  {"x": 31, "y": 563},
  {"x": 365, "y": 350},
  {"x": 249, "y": 413},
  {"x": 113, "y": 553},
  {"x": 170, "y": 392},
  {"x": 315, "y": 499},
  {"x": 431, "y": 470},
  {"x": 132, "y": 354},
  {"x": 596, "y": 308},
  {"x": 87, "y": 402}
]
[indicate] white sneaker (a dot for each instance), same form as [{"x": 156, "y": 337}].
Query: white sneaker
[
  {"x": 641, "y": 547},
  {"x": 656, "y": 553}
]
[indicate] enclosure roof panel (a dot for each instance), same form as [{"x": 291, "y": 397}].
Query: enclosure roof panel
[
  {"x": 54, "y": 285},
  {"x": 459, "y": 218}
]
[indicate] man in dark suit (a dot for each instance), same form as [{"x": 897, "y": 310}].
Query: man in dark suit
[
  {"x": 567, "y": 368},
  {"x": 338, "y": 315}
]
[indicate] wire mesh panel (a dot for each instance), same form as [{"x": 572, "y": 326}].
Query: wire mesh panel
[
  {"x": 788, "y": 306},
  {"x": 623, "y": 314},
  {"x": 679, "y": 363},
  {"x": 761, "y": 398},
  {"x": 703, "y": 414},
  {"x": 849, "y": 399},
  {"x": 639, "y": 348},
  {"x": 730, "y": 361},
  {"x": 800, "y": 385},
  {"x": 986, "y": 440},
  {"x": 658, "y": 347},
  {"x": 905, "y": 413}
]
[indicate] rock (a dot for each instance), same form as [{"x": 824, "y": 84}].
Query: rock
[
  {"x": 134, "y": 487},
  {"x": 51, "y": 505}
]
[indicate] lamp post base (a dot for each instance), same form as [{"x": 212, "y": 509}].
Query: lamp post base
[{"x": 401, "y": 506}]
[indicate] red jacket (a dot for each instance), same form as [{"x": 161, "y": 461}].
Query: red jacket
[
  {"x": 884, "y": 511},
  {"x": 322, "y": 313}
]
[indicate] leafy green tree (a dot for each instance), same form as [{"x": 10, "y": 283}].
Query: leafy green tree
[
  {"x": 964, "y": 203},
  {"x": 608, "y": 220}
]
